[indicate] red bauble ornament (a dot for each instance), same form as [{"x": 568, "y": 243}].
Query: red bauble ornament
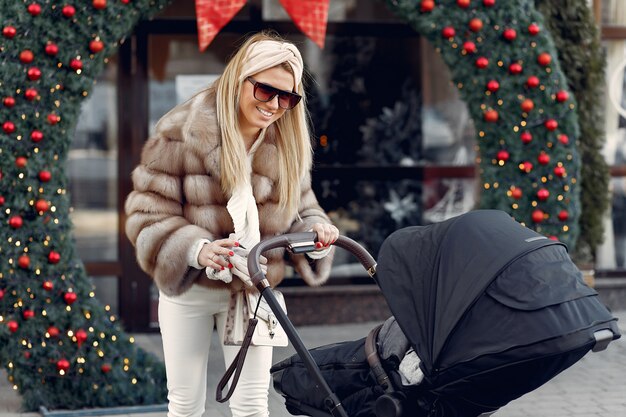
[
  {"x": 53, "y": 119},
  {"x": 532, "y": 82},
  {"x": 16, "y": 221},
  {"x": 27, "y": 56},
  {"x": 96, "y": 46},
  {"x": 516, "y": 193},
  {"x": 1, "y": 293},
  {"x": 34, "y": 9},
  {"x": 482, "y": 62},
  {"x": 509, "y": 34},
  {"x": 70, "y": 297},
  {"x": 34, "y": 74},
  {"x": 1, "y": 200},
  {"x": 427, "y": 6},
  {"x": 469, "y": 47},
  {"x": 9, "y": 32},
  {"x": 503, "y": 156},
  {"x": 463, "y": 3},
  {"x": 526, "y": 166},
  {"x": 563, "y": 215},
  {"x": 105, "y": 368},
  {"x": 527, "y": 105},
  {"x": 491, "y": 116},
  {"x": 125, "y": 1},
  {"x": 493, "y": 86},
  {"x": 559, "y": 171},
  {"x": 13, "y": 326},
  {"x": 27, "y": 354},
  {"x": 448, "y": 32},
  {"x": 44, "y": 176},
  {"x": 543, "y": 194},
  {"x": 515, "y": 68},
  {"x": 489, "y": 3},
  {"x": 51, "y": 49},
  {"x": 36, "y": 136},
  {"x": 8, "y": 102},
  {"x": 526, "y": 137},
  {"x": 28, "y": 314},
  {"x": 99, "y": 4},
  {"x": 63, "y": 365},
  {"x": 537, "y": 216},
  {"x": 41, "y": 206},
  {"x": 551, "y": 124},
  {"x": 68, "y": 10},
  {"x": 53, "y": 331},
  {"x": 543, "y": 158},
  {"x": 562, "y": 96},
  {"x": 475, "y": 25},
  {"x": 47, "y": 285},
  {"x": 76, "y": 64},
  {"x": 533, "y": 29},
  {"x": 23, "y": 262},
  {"x": 81, "y": 337},
  {"x": 544, "y": 59},
  {"x": 21, "y": 161},
  {"x": 54, "y": 257},
  {"x": 564, "y": 139},
  {"x": 30, "y": 94},
  {"x": 8, "y": 127}
]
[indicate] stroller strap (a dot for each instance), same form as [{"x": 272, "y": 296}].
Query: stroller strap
[{"x": 236, "y": 366}]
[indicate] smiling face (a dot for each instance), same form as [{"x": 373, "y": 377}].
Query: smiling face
[{"x": 255, "y": 115}]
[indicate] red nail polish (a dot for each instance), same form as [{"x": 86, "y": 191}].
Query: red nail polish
[
  {"x": 236, "y": 243},
  {"x": 222, "y": 268},
  {"x": 318, "y": 245},
  {"x": 231, "y": 253},
  {"x": 230, "y": 265}
]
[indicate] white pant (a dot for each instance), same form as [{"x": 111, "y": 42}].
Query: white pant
[{"x": 187, "y": 323}]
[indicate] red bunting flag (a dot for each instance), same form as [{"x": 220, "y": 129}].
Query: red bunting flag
[
  {"x": 212, "y": 16},
  {"x": 310, "y": 16}
]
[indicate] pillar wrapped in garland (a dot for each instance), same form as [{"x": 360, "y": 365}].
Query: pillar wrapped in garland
[
  {"x": 60, "y": 347},
  {"x": 505, "y": 65}
]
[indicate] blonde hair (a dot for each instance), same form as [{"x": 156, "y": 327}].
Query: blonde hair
[{"x": 293, "y": 138}]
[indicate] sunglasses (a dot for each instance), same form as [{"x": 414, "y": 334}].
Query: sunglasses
[{"x": 264, "y": 93}]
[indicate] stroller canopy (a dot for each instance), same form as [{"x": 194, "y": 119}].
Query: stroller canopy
[{"x": 432, "y": 275}]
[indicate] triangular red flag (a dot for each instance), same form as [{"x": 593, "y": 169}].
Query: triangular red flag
[
  {"x": 310, "y": 16},
  {"x": 212, "y": 16}
]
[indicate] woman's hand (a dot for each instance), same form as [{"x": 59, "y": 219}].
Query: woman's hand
[
  {"x": 215, "y": 254},
  {"x": 327, "y": 234}
]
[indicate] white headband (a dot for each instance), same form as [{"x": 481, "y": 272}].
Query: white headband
[{"x": 268, "y": 54}]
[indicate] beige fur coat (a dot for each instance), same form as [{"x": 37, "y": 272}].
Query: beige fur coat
[{"x": 177, "y": 200}]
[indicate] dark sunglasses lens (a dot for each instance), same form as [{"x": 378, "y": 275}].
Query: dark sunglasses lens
[
  {"x": 263, "y": 92},
  {"x": 288, "y": 101}
]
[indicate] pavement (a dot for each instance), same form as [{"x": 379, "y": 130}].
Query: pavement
[{"x": 593, "y": 387}]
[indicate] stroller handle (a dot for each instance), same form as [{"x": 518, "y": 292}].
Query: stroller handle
[{"x": 302, "y": 243}]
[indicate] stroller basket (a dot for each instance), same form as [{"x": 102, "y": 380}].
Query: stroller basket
[{"x": 490, "y": 309}]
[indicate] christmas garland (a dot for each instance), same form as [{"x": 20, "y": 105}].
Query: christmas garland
[
  {"x": 504, "y": 64},
  {"x": 60, "y": 347}
]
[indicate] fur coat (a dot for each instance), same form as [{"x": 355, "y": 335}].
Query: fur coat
[{"x": 177, "y": 200}]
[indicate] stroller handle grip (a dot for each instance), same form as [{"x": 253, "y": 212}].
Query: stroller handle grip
[{"x": 302, "y": 243}]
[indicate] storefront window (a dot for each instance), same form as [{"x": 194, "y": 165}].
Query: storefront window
[{"x": 93, "y": 181}]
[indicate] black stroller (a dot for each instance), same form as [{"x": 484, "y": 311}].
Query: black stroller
[{"x": 492, "y": 310}]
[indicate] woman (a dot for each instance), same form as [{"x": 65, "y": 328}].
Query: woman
[{"x": 227, "y": 168}]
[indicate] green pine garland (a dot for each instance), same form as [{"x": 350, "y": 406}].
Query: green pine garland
[
  {"x": 577, "y": 39},
  {"x": 492, "y": 47},
  {"x": 60, "y": 347}
]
